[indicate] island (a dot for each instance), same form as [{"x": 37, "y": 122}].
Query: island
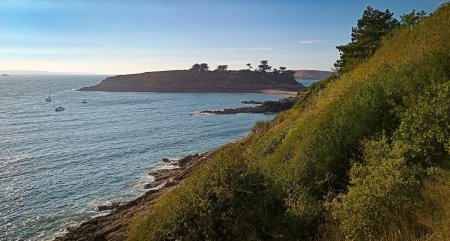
[{"x": 200, "y": 79}]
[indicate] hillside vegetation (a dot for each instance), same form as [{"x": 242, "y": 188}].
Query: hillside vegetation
[{"x": 363, "y": 156}]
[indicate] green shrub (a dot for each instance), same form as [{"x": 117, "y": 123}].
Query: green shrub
[
  {"x": 426, "y": 126},
  {"x": 383, "y": 193}
]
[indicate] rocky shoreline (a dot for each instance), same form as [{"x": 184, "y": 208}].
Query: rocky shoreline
[
  {"x": 267, "y": 107},
  {"x": 114, "y": 226}
]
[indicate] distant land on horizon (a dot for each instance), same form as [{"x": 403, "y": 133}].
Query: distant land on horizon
[
  {"x": 306, "y": 74},
  {"x": 186, "y": 81},
  {"x": 38, "y": 72}
]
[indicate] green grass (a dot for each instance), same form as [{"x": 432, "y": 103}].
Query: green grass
[{"x": 352, "y": 160}]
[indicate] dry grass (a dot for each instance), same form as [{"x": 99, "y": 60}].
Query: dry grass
[{"x": 436, "y": 215}]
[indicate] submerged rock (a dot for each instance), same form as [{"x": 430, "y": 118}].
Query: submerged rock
[
  {"x": 251, "y": 102},
  {"x": 107, "y": 207}
]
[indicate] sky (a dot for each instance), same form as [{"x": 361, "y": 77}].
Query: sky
[{"x": 132, "y": 36}]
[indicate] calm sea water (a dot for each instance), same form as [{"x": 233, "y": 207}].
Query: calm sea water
[{"x": 55, "y": 167}]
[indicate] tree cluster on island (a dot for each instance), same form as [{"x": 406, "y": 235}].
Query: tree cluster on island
[{"x": 263, "y": 67}]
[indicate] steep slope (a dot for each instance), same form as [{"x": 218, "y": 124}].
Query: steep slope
[{"x": 355, "y": 159}]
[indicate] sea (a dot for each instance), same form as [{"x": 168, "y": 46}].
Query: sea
[{"x": 56, "y": 167}]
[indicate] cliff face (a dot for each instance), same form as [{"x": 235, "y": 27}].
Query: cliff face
[
  {"x": 311, "y": 74},
  {"x": 184, "y": 81}
]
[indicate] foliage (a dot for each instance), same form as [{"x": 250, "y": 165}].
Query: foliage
[
  {"x": 222, "y": 68},
  {"x": 412, "y": 18},
  {"x": 200, "y": 67},
  {"x": 383, "y": 193},
  {"x": 264, "y": 66},
  {"x": 366, "y": 38},
  {"x": 386, "y": 185},
  {"x": 426, "y": 125}
]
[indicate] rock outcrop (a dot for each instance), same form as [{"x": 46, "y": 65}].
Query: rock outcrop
[{"x": 266, "y": 107}]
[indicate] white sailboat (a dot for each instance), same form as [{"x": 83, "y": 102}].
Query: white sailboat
[{"x": 49, "y": 98}]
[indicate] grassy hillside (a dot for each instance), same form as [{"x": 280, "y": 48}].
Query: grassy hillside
[{"x": 365, "y": 156}]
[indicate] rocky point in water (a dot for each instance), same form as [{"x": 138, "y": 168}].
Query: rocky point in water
[{"x": 265, "y": 107}]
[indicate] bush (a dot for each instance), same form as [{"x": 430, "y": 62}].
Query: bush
[
  {"x": 382, "y": 195},
  {"x": 426, "y": 126}
]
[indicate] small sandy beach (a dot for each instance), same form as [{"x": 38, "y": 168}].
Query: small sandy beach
[{"x": 280, "y": 92}]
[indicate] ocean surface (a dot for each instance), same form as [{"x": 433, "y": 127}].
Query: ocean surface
[{"x": 56, "y": 167}]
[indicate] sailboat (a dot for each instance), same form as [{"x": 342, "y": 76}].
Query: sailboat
[{"x": 49, "y": 98}]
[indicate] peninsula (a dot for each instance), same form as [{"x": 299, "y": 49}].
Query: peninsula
[{"x": 200, "y": 79}]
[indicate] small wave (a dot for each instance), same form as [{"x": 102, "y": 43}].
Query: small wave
[
  {"x": 200, "y": 113},
  {"x": 146, "y": 179},
  {"x": 168, "y": 165},
  {"x": 142, "y": 181},
  {"x": 16, "y": 159}
]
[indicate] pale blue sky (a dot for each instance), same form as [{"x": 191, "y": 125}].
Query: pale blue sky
[{"x": 115, "y": 37}]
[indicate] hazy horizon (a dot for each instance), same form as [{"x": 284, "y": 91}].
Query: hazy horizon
[{"x": 114, "y": 37}]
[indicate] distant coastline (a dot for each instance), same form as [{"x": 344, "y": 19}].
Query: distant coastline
[{"x": 306, "y": 74}]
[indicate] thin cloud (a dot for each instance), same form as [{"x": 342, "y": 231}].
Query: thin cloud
[
  {"x": 314, "y": 41},
  {"x": 246, "y": 49}
]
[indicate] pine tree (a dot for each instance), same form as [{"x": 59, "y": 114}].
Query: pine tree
[{"x": 366, "y": 38}]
